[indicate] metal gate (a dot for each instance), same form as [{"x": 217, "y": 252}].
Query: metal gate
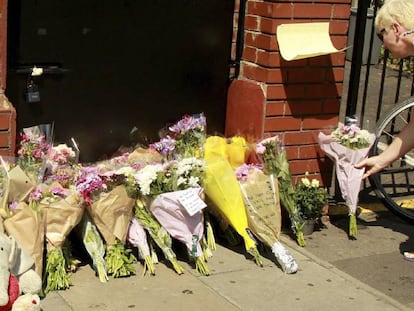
[{"x": 376, "y": 83}]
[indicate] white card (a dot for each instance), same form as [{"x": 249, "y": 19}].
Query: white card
[{"x": 191, "y": 201}]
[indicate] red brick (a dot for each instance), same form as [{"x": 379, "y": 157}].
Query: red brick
[
  {"x": 293, "y": 64},
  {"x": 341, "y": 11},
  {"x": 332, "y": 106},
  {"x": 269, "y": 25},
  {"x": 4, "y": 121},
  {"x": 3, "y": 43},
  {"x": 314, "y": 10},
  {"x": 302, "y": 137},
  {"x": 339, "y": 27},
  {"x": 262, "y": 74},
  {"x": 260, "y": 40},
  {"x": 278, "y": 91},
  {"x": 284, "y": 10},
  {"x": 268, "y": 59},
  {"x": 292, "y": 152},
  {"x": 336, "y": 75},
  {"x": 309, "y": 151},
  {"x": 304, "y": 107},
  {"x": 4, "y": 139},
  {"x": 339, "y": 42},
  {"x": 319, "y": 123},
  {"x": 252, "y": 23},
  {"x": 276, "y": 108},
  {"x": 306, "y": 75},
  {"x": 324, "y": 90},
  {"x": 303, "y": 166},
  {"x": 327, "y": 1},
  {"x": 6, "y": 152},
  {"x": 277, "y": 124},
  {"x": 250, "y": 54},
  {"x": 332, "y": 60}
]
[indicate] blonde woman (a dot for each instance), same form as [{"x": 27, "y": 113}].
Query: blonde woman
[{"x": 395, "y": 27}]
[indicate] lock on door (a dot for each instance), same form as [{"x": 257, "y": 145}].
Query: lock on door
[{"x": 32, "y": 92}]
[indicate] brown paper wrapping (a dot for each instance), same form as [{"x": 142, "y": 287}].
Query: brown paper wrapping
[
  {"x": 17, "y": 188},
  {"x": 61, "y": 217},
  {"x": 112, "y": 213},
  {"x": 20, "y": 185},
  {"x": 261, "y": 198},
  {"x": 27, "y": 228}
]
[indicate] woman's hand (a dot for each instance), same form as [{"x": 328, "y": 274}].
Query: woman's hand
[{"x": 373, "y": 165}]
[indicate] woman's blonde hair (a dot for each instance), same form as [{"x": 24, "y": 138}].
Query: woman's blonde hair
[{"x": 401, "y": 11}]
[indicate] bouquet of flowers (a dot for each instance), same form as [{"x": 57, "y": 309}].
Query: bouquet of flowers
[
  {"x": 185, "y": 138},
  {"x": 63, "y": 212},
  {"x": 274, "y": 159},
  {"x": 34, "y": 145},
  {"x": 346, "y": 146},
  {"x": 27, "y": 226},
  {"x": 62, "y": 165},
  {"x": 310, "y": 197},
  {"x": 174, "y": 203},
  {"x": 261, "y": 198},
  {"x": 16, "y": 185},
  {"x": 111, "y": 209},
  {"x": 157, "y": 233},
  {"x": 223, "y": 190}
]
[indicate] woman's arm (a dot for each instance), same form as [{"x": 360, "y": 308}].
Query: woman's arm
[{"x": 403, "y": 143}]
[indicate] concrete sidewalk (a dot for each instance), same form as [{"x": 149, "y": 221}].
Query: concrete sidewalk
[{"x": 235, "y": 283}]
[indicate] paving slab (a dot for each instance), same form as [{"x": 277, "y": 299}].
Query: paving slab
[{"x": 236, "y": 283}]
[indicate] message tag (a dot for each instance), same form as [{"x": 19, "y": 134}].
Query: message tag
[{"x": 191, "y": 201}]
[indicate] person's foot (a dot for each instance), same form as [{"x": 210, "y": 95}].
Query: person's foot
[{"x": 408, "y": 256}]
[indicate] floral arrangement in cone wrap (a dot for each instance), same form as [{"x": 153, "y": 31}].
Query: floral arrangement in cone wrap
[
  {"x": 163, "y": 187},
  {"x": 274, "y": 159},
  {"x": 347, "y": 145}
]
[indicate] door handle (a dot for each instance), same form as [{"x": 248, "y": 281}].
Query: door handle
[{"x": 37, "y": 70}]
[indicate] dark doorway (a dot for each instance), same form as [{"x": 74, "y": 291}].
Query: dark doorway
[{"x": 112, "y": 65}]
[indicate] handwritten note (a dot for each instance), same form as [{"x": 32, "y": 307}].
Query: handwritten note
[{"x": 191, "y": 201}]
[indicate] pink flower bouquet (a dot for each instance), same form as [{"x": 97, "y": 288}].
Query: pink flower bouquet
[{"x": 346, "y": 146}]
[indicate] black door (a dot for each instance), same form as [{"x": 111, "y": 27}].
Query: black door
[{"x": 112, "y": 65}]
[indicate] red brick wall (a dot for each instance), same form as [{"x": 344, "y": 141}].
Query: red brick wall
[
  {"x": 301, "y": 97},
  {"x": 7, "y": 111},
  {"x": 3, "y": 43}
]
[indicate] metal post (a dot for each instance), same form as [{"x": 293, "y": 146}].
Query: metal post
[{"x": 356, "y": 62}]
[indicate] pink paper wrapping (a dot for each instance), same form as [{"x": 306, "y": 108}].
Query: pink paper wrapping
[
  {"x": 179, "y": 224},
  {"x": 349, "y": 177},
  {"x": 137, "y": 236}
]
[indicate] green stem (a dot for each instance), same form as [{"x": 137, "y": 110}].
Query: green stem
[
  {"x": 256, "y": 255},
  {"x": 353, "y": 229}
]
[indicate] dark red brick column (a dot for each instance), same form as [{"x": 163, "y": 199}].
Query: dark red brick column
[
  {"x": 299, "y": 98},
  {"x": 7, "y": 111}
]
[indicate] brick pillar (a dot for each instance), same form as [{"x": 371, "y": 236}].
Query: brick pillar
[
  {"x": 7, "y": 111},
  {"x": 299, "y": 98}
]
